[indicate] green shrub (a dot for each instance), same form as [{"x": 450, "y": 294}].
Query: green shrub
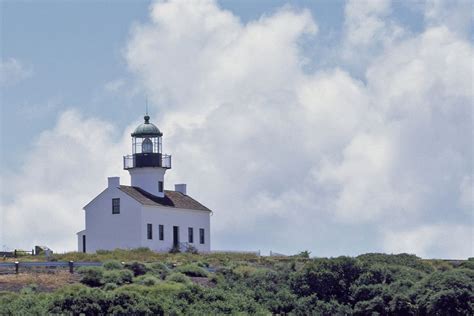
[
  {"x": 147, "y": 280},
  {"x": 113, "y": 265},
  {"x": 23, "y": 304},
  {"x": 91, "y": 276},
  {"x": 29, "y": 289},
  {"x": 158, "y": 269},
  {"x": 469, "y": 264},
  {"x": 178, "y": 278},
  {"x": 192, "y": 270},
  {"x": 175, "y": 249},
  {"x": 136, "y": 267},
  {"x": 191, "y": 249},
  {"x": 446, "y": 293},
  {"x": 310, "y": 305},
  {"x": 79, "y": 300},
  {"x": 244, "y": 271},
  {"x": 110, "y": 286},
  {"x": 118, "y": 277}
]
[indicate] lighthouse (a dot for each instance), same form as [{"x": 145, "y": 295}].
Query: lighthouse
[
  {"x": 147, "y": 164},
  {"x": 144, "y": 214}
]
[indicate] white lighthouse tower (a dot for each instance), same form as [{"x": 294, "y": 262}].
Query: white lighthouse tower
[
  {"x": 144, "y": 214},
  {"x": 147, "y": 164}
]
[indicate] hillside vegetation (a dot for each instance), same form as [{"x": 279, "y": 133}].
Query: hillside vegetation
[{"x": 141, "y": 282}]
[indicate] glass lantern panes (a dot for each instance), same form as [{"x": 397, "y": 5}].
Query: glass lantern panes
[{"x": 142, "y": 145}]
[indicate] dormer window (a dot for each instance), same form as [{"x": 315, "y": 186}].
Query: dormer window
[{"x": 147, "y": 146}]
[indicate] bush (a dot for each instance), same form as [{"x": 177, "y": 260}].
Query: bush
[
  {"x": 113, "y": 265},
  {"x": 78, "y": 300},
  {"x": 147, "y": 280},
  {"x": 110, "y": 286},
  {"x": 447, "y": 293},
  {"x": 118, "y": 277},
  {"x": 192, "y": 270},
  {"x": 244, "y": 271},
  {"x": 175, "y": 249},
  {"x": 178, "y": 278},
  {"x": 192, "y": 249},
  {"x": 29, "y": 289},
  {"x": 91, "y": 276},
  {"x": 310, "y": 305},
  {"x": 137, "y": 268},
  {"x": 327, "y": 278},
  {"x": 158, "y": 269}
]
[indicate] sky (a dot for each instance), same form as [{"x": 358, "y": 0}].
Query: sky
[{"x": 338, "y": 127}]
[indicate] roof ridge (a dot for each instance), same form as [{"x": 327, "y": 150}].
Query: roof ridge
[{"x": 171, "y": 198}]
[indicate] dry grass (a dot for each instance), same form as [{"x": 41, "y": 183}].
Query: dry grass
[{"x": 44, "y": 281}]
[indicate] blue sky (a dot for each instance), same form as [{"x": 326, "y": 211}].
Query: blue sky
[{"x": 374, "y": 124}]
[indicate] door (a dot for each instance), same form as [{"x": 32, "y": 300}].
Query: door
[
  {"x": 84, "y": 243},
  {"x": 175, "y": 236}
]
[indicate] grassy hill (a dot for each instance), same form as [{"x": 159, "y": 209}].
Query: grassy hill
[{"x": 146, "y": 283}]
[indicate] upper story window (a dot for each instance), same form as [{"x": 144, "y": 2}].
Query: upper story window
[
  {"x": 116, "y": 206},
  {"x": 149, "y": 231},
  {"x": 201, "y": 235},
  {"x": 160, "y": 186},
  {"x": 147, "y": 146},
  {"x": 190, "y": 235}
]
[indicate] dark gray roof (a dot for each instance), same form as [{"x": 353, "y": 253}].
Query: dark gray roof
[
  {"x": 171, "y": 199},
  {"x": 147, "y": 129}
]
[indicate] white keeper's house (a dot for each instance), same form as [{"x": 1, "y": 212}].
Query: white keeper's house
[{"x": 144, "y": 214}]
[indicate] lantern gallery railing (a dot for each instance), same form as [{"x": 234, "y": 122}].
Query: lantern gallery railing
[{"x": 147, "y": 160}]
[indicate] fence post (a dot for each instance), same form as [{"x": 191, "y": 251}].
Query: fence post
[
  {"x": 14, "y": 253},
  {"x": 71, "y": 266},
  {"x": 17, "y": 266}
]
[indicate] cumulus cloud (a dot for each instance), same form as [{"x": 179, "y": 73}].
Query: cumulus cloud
[
  {"x": 13, "y": 71},
  {"x": 432, "y": 241},
  {"x": 274, "y": 149},
  {"x": 288, "y": 159},
  {"x": 66, "y": 167},
  {"x": 456, "y": 15},
  {"x": 368, "y": 29}
]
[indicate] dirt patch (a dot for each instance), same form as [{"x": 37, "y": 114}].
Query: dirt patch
[
  {"x": 45, "y": 282},
  {"x": 203, "y": 281}
]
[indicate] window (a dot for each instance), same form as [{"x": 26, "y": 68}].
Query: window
[
  {"x": 161, "y": 232},
  {"x": 149, "y": 228},
  {"x": 190, "y": 235},
  {"x": 160, "y": 186},
  {"x": 115, "y": 206},
  {"x": 147, "y": 146},
  {"x": 201, "y": 235}
]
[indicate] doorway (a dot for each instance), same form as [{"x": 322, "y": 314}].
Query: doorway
[{"x": 175, "y": 236}]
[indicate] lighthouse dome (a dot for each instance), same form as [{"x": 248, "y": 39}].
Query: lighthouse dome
[{"x": 146, "y": 129}]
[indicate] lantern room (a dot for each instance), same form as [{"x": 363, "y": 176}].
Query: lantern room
[{"x": 147, "y": 148}]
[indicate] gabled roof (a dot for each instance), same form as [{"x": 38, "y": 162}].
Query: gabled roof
[{"x": 171, "y": 199}]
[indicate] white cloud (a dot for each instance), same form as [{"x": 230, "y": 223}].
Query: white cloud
[
  {"x": 455, "y": 14},
  {"x": 288, "y": 159},
  {"x": 368, "y": 30},
  {"x": 443, "y": 241},
  {"x": 260, "y": 140},
  {"x": 13, "y": 71},
  {"x": 66, "y": 168}
]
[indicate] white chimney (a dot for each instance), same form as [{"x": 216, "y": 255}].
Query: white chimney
[
  {"x": 114, "y": 182},
  {"x": 180, "y": 188}
]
